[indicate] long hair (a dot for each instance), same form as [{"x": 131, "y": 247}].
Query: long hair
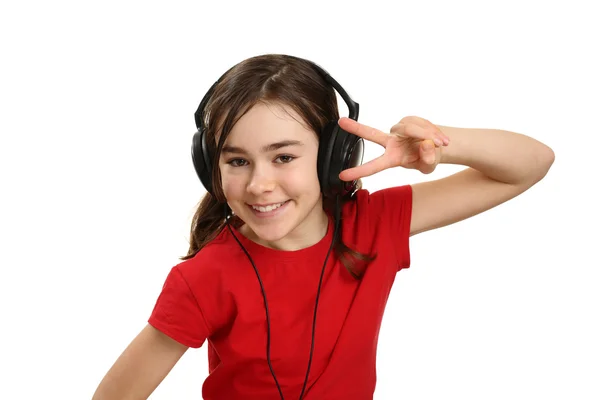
[{"x": 271, "y": 78}]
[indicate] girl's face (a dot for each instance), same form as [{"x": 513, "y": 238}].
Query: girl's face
[{"x": 269, "y": 177}]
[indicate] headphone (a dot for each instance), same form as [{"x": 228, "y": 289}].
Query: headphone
[{"x": 338, "y": 149}]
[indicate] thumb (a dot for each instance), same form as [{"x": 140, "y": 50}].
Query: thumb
[
  {"x": 427, "y": 156},
  {"x": 427, "y": 151}
]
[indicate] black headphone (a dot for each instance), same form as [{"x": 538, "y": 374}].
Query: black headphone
[{"x": 338, "y": 149}]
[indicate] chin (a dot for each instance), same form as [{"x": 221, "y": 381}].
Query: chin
[
  {"x": 272, "y": 231},
  {"x": 271, "y": 234}
]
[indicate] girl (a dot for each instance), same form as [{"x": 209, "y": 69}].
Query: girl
[{"x": 290, "y": 261}]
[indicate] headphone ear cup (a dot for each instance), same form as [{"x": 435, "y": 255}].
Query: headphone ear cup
[
  {"x": 201, "y": 160},
  {"x": 338, "y": 150},
  {"x": 353, "y": 157},
  {"x": 326, "y": 143}
]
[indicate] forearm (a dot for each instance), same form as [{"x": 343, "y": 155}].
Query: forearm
[{"x": 501, "y": 155}]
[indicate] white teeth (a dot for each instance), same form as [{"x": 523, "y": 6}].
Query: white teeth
[{"x": 268, "y": 208}]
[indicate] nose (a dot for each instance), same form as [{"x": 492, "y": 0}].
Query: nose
[{"x": 262, "y": 180}]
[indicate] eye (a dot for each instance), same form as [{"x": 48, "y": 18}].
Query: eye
[
  {"x": 237, "y": 162},
  {"x": 285, "y": 159}
]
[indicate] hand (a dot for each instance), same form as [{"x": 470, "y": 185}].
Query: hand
[{"x": 412, "y": 143}]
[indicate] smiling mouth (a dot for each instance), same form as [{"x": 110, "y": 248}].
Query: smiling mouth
[{"x": 270, "y": 207}]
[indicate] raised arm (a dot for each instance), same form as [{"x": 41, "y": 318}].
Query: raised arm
[
  {"x": 502, "y": 165},
  {"x": 141, "y": 367}
]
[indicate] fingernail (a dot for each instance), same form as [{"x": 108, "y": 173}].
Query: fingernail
[{"x": 428, "y": 145}]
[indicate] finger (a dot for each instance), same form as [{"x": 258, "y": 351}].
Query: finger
[
  {"x": 428, "y": 157},
  {"x": 427, "y": 152},
  {"x": 411, "y": 130},
  {"x": 367, "y": 169},
  {"x": 419, "y": 131},
  {"x": 364, "y": 131},
  {"x": 425, "y": 123}
]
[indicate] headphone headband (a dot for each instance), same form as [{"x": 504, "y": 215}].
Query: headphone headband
[{"x": 353, "y": 106}]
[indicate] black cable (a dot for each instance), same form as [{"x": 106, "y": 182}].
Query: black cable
[
  {"x": 262, "y": 288},
  {"x": 312, "y": 344}
]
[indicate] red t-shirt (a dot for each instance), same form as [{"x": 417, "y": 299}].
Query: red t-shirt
[{"x": 216, "y": 297}]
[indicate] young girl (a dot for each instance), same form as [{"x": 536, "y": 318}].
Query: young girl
[{"x": 291, "y": 261}]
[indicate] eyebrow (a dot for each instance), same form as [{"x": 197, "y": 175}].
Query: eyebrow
[{"x": 270, "y": 147}]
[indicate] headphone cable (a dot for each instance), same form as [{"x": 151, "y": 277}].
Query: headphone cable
[{"x": 312, "y": 344}]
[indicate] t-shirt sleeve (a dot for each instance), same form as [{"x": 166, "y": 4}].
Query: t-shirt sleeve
[
  {"x": 177, "y": 313},
  {"x": 393, "y": 206}
]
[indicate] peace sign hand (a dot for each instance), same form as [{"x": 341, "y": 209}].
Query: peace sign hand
[{"x": 413, "y": 143}]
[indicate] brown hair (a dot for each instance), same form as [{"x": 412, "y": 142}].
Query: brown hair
[{"x": 269, "y": 78}]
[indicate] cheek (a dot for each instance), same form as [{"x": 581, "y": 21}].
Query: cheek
[
  {"x": 233, "y": 186},
  {"x": 302, "y": 182}
]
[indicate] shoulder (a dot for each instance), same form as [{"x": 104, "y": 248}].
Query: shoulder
[
  {"x": 382, "y": 219},
  {"x": 197, "y": 288},
  {"x": 208, "y": 265},
  {"x": 381, "y": 202},
  {"x": 376, "y": 215}
]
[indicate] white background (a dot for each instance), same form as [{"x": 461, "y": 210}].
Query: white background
[{"x": 98, "y": 188}]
